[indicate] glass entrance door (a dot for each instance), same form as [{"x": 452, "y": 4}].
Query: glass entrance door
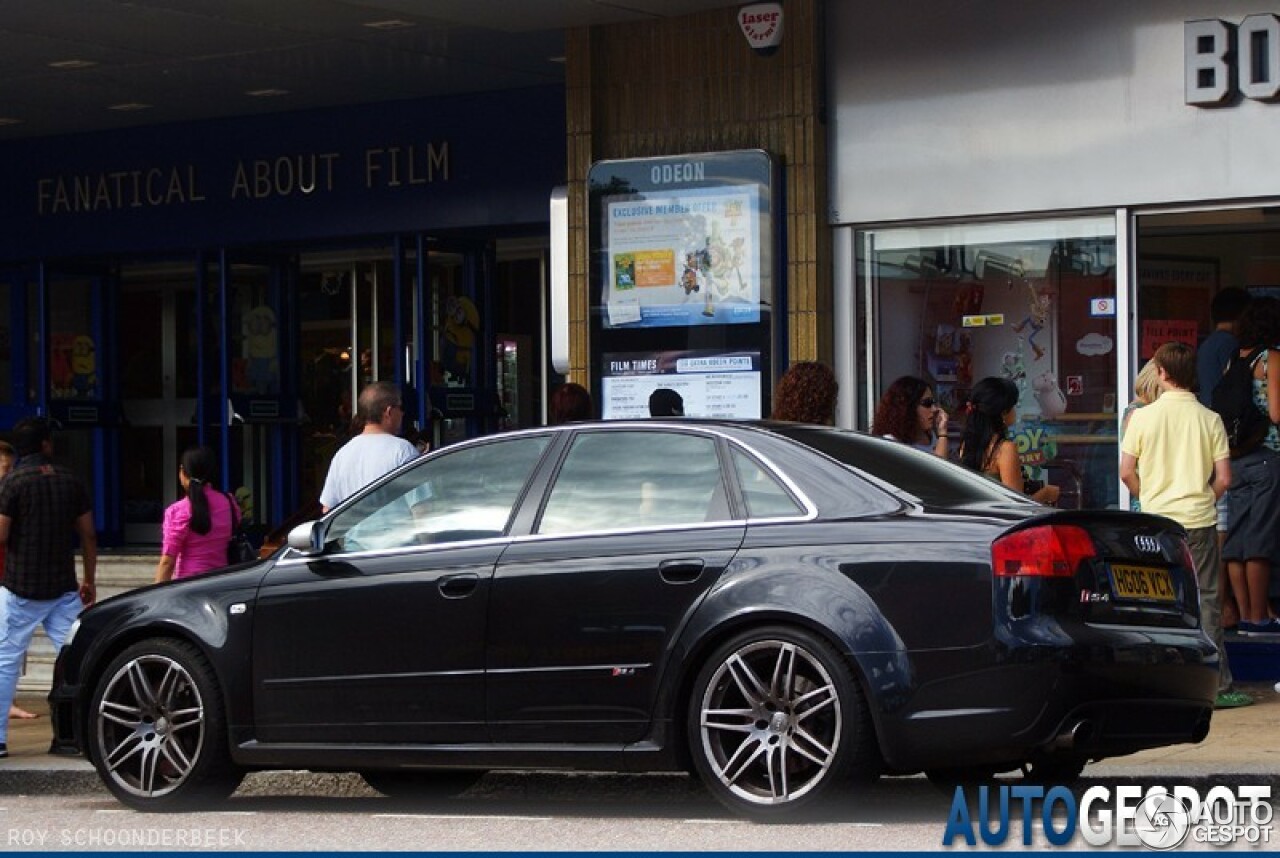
[
  {"x": 348, "y": 323},
  {"x": 157, "y": 360}
]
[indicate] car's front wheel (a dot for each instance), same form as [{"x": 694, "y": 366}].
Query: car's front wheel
[
  {"x": 156, "y": 733},
  {"x": 777, "y": 720}
]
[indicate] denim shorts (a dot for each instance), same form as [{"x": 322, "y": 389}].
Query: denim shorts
[{"x": 1254, "y": 528}]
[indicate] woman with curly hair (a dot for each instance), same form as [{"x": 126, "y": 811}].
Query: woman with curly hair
[
  {"x": 985, "y": 446},
  {"x": 908, "y": 412},
  {"x": 569, "y": 402},
  {"x": 806, "y": 393}
]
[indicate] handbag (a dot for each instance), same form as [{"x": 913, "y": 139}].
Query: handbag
[{"x": 239, "y": 548}]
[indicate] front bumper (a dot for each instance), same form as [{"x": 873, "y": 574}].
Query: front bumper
[{"x": 64, "y": 714}]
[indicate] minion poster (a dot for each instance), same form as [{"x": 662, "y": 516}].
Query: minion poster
[
  {"x": 73, "y": 372},
  {"x": 691, "y": 258}
]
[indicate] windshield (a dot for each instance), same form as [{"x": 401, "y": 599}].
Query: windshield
[{"x": 935, "y": 481}]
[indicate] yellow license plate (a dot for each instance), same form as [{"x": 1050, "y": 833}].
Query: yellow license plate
[{"x": 1142, "y": 582}]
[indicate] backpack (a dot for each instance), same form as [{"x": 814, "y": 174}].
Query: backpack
[
  {"x": 1233, "y": 400},
  {"x": 239, "y": 548}
]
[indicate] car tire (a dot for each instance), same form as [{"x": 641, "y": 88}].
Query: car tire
[
  {"x": 425, "y": 785},
  {"x": 776, "y": 722},
  {"x": 156, "y": 728}
]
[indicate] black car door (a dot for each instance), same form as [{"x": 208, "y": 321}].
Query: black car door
[
  {"x": 635, "y": 528},
  {"x": 381, "y": 638}
]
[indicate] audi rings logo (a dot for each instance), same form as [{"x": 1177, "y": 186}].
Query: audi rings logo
[{"x": 1147, "y": 544}]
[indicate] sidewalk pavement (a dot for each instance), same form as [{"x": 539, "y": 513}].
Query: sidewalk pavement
[{"x": 1241, "y": 747}]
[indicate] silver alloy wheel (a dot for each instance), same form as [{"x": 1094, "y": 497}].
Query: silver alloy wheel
[
  {"x": 150, "y": 726},
  {"x": 771, "y": 722}
]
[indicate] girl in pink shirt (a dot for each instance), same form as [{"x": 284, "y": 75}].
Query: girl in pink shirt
[{"x": 197, "y": 528}]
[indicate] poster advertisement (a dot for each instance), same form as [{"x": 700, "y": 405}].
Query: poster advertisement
[
  {"x": 712, "y": 383},
  {"x": 690, "y": 257},
  {"x": 1157, "y": 332}
]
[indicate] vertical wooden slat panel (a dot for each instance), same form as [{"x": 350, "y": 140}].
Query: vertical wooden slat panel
[{"x": 691, "y": 84}]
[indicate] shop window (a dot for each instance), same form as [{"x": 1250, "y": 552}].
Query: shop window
[{"x": 1033, "y": 302}]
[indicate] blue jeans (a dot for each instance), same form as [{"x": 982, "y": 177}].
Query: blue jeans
[{"x": 20, "y": 617}]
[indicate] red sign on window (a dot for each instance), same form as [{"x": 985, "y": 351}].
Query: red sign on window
[{"x": 1157, "y": 332}]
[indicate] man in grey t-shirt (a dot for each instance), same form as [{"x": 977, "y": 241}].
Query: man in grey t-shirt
[{"x": 377, "y": 450}]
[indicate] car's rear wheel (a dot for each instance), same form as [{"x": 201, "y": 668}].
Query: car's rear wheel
[
  {"x": 422, "y": 785},
  {"x": 156, "y": 733},
  {"x": 776, "y": 720}
]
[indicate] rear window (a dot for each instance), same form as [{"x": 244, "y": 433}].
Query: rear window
[{"x": 933, "y": 480}]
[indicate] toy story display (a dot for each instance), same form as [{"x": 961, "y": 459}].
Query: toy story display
[
  {"x": 261, "y": 346},
  {"x": 1037, "y": 316},
  {"x": 1050, "y": 398}
]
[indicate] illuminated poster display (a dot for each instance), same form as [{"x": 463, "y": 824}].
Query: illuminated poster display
[
  {"x": 712, "y": 384},
  {"x": 688, "y": 258},
  {"x": 684, "y": 284}
]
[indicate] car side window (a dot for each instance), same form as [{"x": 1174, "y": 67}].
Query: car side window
[
  {"x": 466, "y": 494},
  {"x": 617, "y": 480},
  {"x": 766, "y": 497}
]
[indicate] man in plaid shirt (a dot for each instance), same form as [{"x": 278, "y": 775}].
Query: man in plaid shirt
[{"x": 41, "y": 506}]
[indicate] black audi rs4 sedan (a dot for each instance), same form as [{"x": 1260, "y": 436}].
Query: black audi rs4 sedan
[{"x": 779, "y": 608}]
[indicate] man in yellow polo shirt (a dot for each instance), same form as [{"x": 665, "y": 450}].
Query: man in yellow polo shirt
[{"x": 1174, "y": 459}]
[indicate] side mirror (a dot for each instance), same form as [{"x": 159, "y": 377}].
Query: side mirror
[{"x": 308, "y": 538}]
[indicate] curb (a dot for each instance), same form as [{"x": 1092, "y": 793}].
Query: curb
[{"x": 503, "y": 784}]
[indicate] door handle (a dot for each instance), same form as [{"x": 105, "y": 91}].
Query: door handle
[
  {"x": 680, "y": 571},
  {"x": 458, "y": 586}
]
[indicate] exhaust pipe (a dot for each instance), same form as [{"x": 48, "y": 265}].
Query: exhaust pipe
[{"x": 1079, "y": 733}]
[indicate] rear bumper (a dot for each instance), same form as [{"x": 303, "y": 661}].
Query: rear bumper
[
  {"x": 1109, "y": 728},
  {"x": 1094, "y": 700}
]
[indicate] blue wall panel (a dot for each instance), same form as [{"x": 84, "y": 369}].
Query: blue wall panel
[{"x": 433, "y": 164}]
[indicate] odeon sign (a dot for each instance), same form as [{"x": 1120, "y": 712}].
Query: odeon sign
[{"x": 1222, "y": 60}]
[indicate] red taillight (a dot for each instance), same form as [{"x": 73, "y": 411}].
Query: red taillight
[
  {"x": 1184, "y": 551},
  {"x": 1050, "y": 551}
]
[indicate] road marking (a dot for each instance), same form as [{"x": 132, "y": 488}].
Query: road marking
[
  {"x": 466, "y": 816},
  {"x": 206, "y": 812},
  {"x": 744, "y": 822}
]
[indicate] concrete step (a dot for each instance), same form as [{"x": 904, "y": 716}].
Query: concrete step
[{"x": 117, "y": 573}]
